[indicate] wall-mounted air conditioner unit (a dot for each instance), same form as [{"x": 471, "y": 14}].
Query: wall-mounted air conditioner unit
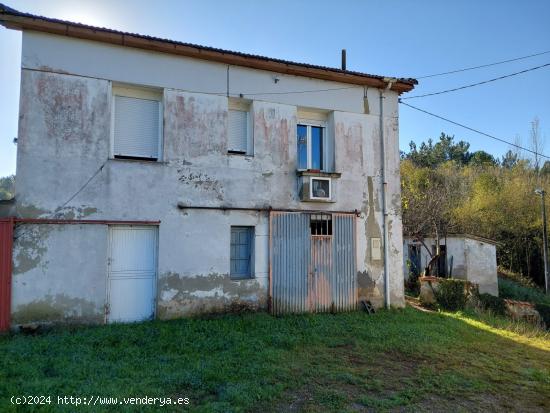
[
  {"x": 316, "y": 189},
  {"x": 320, "y": 188}
]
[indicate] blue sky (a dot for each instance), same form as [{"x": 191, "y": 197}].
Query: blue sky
[{"x": 392, "y": 38}]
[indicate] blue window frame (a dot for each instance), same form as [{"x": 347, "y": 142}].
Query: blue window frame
[
  {"x": 302, "y": 146},
  {"x": 310, "y": 147},
  {"x": 242, "y": 252}
]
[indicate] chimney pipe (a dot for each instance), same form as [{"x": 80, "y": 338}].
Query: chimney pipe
[{"x": 343, "y": 59}]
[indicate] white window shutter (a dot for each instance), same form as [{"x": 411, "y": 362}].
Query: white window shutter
[
  {"x": 238, "y": 130},
  {"x": 136, "y": 127}
]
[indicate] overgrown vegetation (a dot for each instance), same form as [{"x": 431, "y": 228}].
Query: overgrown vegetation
[
  {"x": 7, "y": 187},
  {"x": 401, "y": 360},
  {"x": 452, "y": 294},
  {"x": 494, "y": 305},
  {"x": 448, "y": 189},
  {"x": 515, "y": 291}
]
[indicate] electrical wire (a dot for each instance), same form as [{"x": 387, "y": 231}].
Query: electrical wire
[
  {"x": 303, "y": 91},
  {"x": 72, "y": 196},
  {"x": 482, "y": 66},
  {"x": 476, "y": 84},
  {"x": 474, "y": 130}
]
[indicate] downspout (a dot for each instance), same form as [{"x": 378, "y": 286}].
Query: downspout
[{"x": 383, "y": 185}]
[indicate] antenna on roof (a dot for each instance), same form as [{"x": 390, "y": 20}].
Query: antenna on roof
[{"x": 343, "y": 59}]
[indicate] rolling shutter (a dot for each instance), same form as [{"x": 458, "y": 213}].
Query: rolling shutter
[
  {"x": 137, "y": 127},
  {"x": 238, "y": 131}
]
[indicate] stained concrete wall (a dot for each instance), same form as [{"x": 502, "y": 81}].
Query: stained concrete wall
[
  {"x": 481, "y": 265},
  {"x": 64, "y": 139},
  {"x": 59, "y": 273},
  {"x": 472, "y": 259}
]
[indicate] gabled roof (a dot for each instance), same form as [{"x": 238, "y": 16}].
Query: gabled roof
[
  {"x": 14, "y": 19},
  {"x": 458, "y": 235}
]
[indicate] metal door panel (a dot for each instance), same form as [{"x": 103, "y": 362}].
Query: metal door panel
[
  {"x": 290, "y": 262},
  {"x": 132, "y": 266}
]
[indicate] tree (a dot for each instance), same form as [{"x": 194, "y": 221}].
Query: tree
[
  {"x": 509, "y": 159},
  {"x": 447, "y": 189},
  {"x": 430, "y": 155},
  {"x": 7, "y": 187},
  {"x": 428, "y": 195},
  {"x": 482, "y": 159}
]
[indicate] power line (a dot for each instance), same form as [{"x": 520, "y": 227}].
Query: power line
[
  {"x": 478, "y": 83},
  {"x": 482, "y": 66},
  {"x": 474, "y": 130}
]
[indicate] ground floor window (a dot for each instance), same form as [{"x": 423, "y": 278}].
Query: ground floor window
[{"x": 242, "y": 249}]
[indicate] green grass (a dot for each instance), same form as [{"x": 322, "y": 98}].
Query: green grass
[
  {"x": 404, "y": 360},
  {"x": 515, "y": 291}
]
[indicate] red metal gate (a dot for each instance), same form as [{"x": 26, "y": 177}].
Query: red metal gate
[{"x": 6, "y": 245}]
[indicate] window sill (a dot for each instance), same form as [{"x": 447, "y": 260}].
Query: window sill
[
  {"x": 246, "y": 155},
  {"x": 144, "y": 161},
  {"x": 322, "y": 201},
  {"x": 241, "y": 278},
  {"x": 311, "y": 172}
]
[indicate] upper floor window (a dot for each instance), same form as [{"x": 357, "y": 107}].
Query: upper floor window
[
  {"x": 239, "y": 128},
  {"x": 137, "y": 124},
  {"x": 311, "y": 146}
]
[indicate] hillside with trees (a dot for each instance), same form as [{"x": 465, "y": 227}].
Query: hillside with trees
[{"x": 448, "y": 189}]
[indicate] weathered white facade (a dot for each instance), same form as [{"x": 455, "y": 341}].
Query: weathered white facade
[
  {"x": 467, "y": 257},
  {"x": 60, "y": 271}
]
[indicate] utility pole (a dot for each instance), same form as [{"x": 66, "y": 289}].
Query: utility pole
[{"x": 542, "y": 194}]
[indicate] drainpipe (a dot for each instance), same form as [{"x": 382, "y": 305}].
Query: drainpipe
[{"x": 383, "y": 186}]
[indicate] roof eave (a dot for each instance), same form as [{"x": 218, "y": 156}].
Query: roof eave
[{"x": 25, "y": 22}]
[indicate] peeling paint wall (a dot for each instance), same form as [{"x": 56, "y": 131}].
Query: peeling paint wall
[
  {"x": 59, "y": 273},
  {"x": 64, "y": 138}
]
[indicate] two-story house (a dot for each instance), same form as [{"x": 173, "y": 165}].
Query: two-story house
[{"x": 157, "y": 178}]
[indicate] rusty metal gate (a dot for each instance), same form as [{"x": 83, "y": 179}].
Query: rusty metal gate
[
  {"x": 312, "y": 262},
  {"x": 6, "y": 245}
]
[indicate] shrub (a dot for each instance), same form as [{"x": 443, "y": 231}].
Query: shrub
[
  {"x": 491, "y": 303},
  {"x": 514, "y": 291},
  {"x": 452, "y": 294}
]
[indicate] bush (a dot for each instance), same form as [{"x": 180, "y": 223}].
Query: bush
[
  {"x": 514, "y": 291},
  {"x": 491, "y": 303},
  {"x": 452, "y": 294},
  {"x": 544, "y": 311}
]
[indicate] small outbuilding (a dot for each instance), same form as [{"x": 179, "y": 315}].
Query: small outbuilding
[{"x": 466, "y": 257}]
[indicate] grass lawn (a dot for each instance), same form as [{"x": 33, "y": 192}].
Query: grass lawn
[{"x": 399, "y": 360}]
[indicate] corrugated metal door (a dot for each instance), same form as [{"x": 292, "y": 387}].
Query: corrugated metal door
[
  {"x": 132, "y": 273},
  {"x": 312, "y": 272},
  {"x": 6, "y": 245},
  {"x": 344, "y": 270},
  {"x": 290, "y": 252}
]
